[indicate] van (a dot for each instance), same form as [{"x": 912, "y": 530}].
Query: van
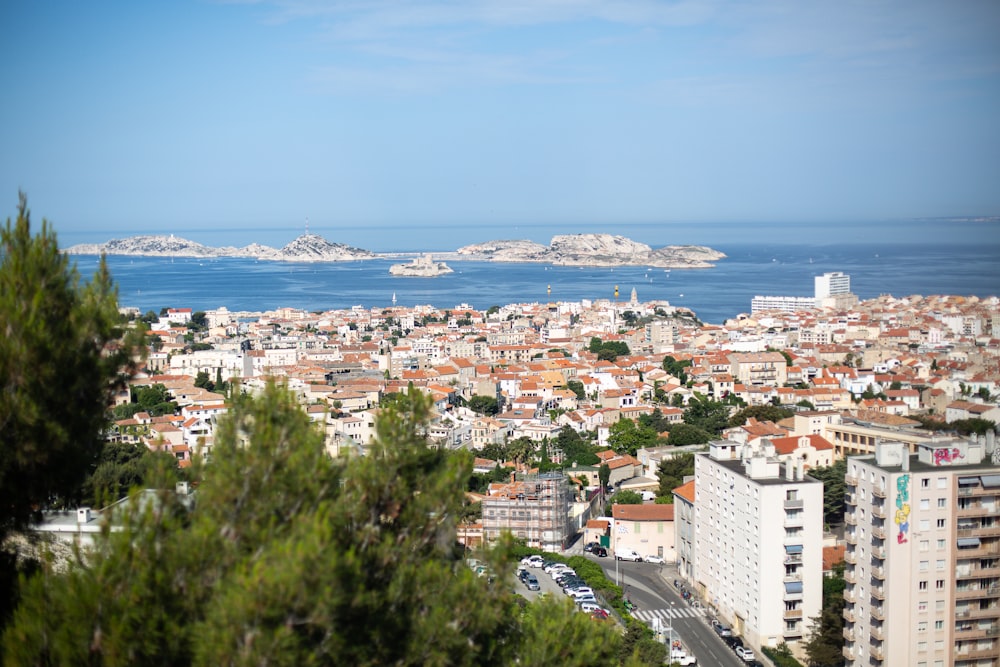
[{"x": 628, "y": 554}]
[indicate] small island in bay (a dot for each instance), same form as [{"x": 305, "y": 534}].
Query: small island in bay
[
  {"x": 594, "y": 250},
  {"x": 423, "y": 266},
  {"x": 566, "y": 250}
]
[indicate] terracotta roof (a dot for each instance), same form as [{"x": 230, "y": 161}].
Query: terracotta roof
[
  {"x": 651, "y": 512},
  {"x": 686, "y": 491},
  {"x": 832, "y": 556}
]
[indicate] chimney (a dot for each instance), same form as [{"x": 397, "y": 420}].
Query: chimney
[
  {"x": 906, "y": 460},
  {"x": 800, "y": 470},
  {"x": 789, "y": 468},
  {"x": 83, "y": 515}
]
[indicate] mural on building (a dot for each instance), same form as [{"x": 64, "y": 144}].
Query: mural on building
[{"x": 902, "y": 508}]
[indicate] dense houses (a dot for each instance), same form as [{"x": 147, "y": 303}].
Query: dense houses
[{"x": 746, "y": 530}]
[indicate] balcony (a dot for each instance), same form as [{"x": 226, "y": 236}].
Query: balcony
[
  {"x": 793, "y": 559},
  {"x": 878, "y": 573},
  {"x": 851, "y": 537},
  {"x": 793, "y": 633},
  {"x": 851, "y": 498},
  {"x": 850, "y": 577},
  {"x": 795, "y": 521},
  {"x": 792, "y": 614},
  {"x": 972, "y": 592},
  {"x": 980, "y": 531},
  {"x": 990, "y": 652},
  {"x": 851, "y": 480},
  {"x": 850, "y": 597},
  {"x": 977, "y": 612},
  {"x": 878, "y": 492},
  {"x": 878, "y": 653},
  {"x": 792, "y": 577},
  {"x": 878, "y": 552},
  {"x": 878, "y": 593},
  {"x": 848, "y": 653},
  {"x": 878, "y": 612},
  {"x": 849, "y": 615},
  {"x": 850, "y": 557},
  {"x": 977, "y": 633},
  {"x": 877, "y": 633},
  {"x": 879, "y": 532},
  {"x": 794, "y": 504},
  {"x": 850, "y": 518},
  {"x": 878, "y": 511}
]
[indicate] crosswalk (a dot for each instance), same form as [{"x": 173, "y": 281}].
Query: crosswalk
[{"x": 647, "y": 615}]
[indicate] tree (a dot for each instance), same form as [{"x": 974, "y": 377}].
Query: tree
[
  {"x": 290, "y": 557},
  {"x": 521, "y": 450},
  {"x": 833, "y": 490},
  {"x": 769, "y": 413},
  {"x": 604, "y": 475},
  {"x": 576, "y": 387},
  {"x": 672, "y": 471},
  {"x": 574, "y": 448},
  {"x": 706, "y": 414},
  {"x": 676, "y": 368},
  {"x": 627, "y": 438},
  {"x": 625, "y": 497},
  {"x": 484, "y": 405},
  {"x": 63, "y": 355},
  {"x": 685, "y": 434},
  {"x": 825, "y": 642}
]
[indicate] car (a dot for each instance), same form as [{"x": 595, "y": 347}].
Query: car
[
  {"x": 554, "y": 565},
  {"x": 590, "y": 607},
  {"x": 588, "y": 599},
  {"x": 628, "y": 554},
  {"x": 721, "y": 629},
  {"x": 733, "y": 642},
  {"x": 600, "y": 552},
  {"x": 590, "y": 546},
  {"x": 600, "y": 614},
  {"x": 522, "y": 573},
  {"x": 746, "y": 654},
  {"x": 532, "y": 583},
  {"x": 570, "y": 582},
  {"x": 654, "y": 559},
  {"x": 681, "y": 657},
  {"x": 580, "y": 591},
  {"x": 532, "y": 561}
]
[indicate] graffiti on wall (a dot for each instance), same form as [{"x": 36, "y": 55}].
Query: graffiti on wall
[
  {"x": 902, "y": 508},
  {"x": 947, "y": 455}
]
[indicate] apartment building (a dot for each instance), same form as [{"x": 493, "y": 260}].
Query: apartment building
[
  {"x": 532, "y": 507},
  {"x": 758, "y": 541},
  {"x": 923, "y": 549}
]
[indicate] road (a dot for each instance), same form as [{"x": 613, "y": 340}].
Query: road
[{"x": 647, "y": 586}]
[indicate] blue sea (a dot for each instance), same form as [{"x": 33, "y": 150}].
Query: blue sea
[{"x": 926, "y": 257}]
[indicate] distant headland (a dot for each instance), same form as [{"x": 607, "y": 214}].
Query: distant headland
[{"x": 567, "y": 249}]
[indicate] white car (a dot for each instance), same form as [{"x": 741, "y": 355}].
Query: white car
[
  {"x": 745, "y": 653},
  {"x": 532, "y": 561},
  {"x": 582, "y": 591},
  {"x": 589, "y": 607},
  {"x": 655, "y": 559},
  {"x": 682, "y": 658},
  {"x": 628, "y": 554}
]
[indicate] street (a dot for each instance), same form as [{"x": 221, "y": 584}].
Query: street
[{"x": 647, "y": 586}]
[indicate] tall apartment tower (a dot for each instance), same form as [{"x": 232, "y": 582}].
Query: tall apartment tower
[
  {"x": 832, "y": 284},
  {"x": 758, "y": 541},
  {"x": 923, "y": 555}
]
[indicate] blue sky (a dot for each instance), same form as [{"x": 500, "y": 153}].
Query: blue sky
[{"x": 387, "y": 117}]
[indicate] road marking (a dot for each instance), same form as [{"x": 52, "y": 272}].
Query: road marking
[{"x": 648, "y": 615}]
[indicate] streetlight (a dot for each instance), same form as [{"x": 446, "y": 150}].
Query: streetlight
[{"x": 670, "y": 627}]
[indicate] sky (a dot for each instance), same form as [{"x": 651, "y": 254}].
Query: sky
[{"x": 489, "y": 118}]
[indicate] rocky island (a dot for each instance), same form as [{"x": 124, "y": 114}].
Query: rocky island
[
  {"x": 566, "y": 249},
  {"x": 423, "y": 266},
  {"x": 594, "y": 250},
  {"x": 305, "y": 248}
]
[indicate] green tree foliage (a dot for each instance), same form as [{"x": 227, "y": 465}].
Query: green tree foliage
[
  {"x": 604, "y": 475},
  {"x": 123, "y": 466},
  {"x": 672, "y": 471},
  {"x": 289, "y": 557},
  {"x": 576, "y": 387},
  {"x": 974, "y": 426},
  {"x": 760, "y": 413},
  {"x": 676, "y": 368},
  {"x": 63, "y": 355},
  {"x": 825, "y": 642},
  {"x": 626, "y": 437},
  {"x": 574, "y": 448},
  {"x": 655, "y": 421},
  {"x": 521, "y": 450},
  {"x": 484, "y": 405},
  {"x": 625, "y": 497},
  {"x": 608, "y": 350},
  {"x": 706, "y": 414},
  {"x": 686, "y": 434},
  {"x": 833, "y": 490},
  {"x": 155, "y": 399}
]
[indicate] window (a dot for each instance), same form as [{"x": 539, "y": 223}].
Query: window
[
  {"x": 939, "y": 605},
  {"x": 939, "y": 564},
  {"x": 924, "y": 545},
  {"x": 923, "y": 565},
  {"x": 939, "y": 584},
  {"x": 942, "y": 503},
  {"x": 922, "y": 626},
  {"x": 925, "y": 524},
  {"x": 921, "y": 607},
  {"x": 942, "y": 482},
  {"x": 939, "y": 625},
  {"x": 925, "y": 504},
  {"x": 924, "y": 483},
  {"x": 940, "y": 523},
  {"x": 922, "y": 646},
  {"x": 940, "y": 544},
  {"x": 923, "y": 585}
]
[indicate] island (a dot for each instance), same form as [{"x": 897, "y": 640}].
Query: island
[
  {"x": 594, "y": 250},
  {"x": 423, "y": 266},
  {"x": 565, "y": 249}
]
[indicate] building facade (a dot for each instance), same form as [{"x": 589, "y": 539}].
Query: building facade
[
  {"x": 758, "y": 541},
  {"x": 923, "y": 549},
  {"x": 534, "y": 508}
]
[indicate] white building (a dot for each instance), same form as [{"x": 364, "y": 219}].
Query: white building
[
  {"x": 785, "y": 304},
  {"x": 758, "y": 541},
  {"x": 832, "y": 284}
]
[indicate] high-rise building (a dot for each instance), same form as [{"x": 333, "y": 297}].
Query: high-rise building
[
  {"x": 923, "y": 555},
  {"x": 758, "y": 541},
  {"x": 832, "y": 284},
  {"x": 534, "y": 508}
]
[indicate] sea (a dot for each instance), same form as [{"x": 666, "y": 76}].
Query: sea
[{"x": 926, "y": 257}]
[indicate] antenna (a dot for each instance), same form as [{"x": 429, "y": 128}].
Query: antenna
[{"x": 307, "y": 224}]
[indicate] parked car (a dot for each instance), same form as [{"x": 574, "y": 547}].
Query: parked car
[
  {"x": 654, "y": 559},
  {"x": 733, "y": 642},
  {"x": 721, "y": 629},
  {"x": 580, "y": 591},
  {"x": 589, "y": 607},
  {"x": 532, "y": 583},
  {"x": 628, "y": 554},
  {"x": 600, "y": 614},
  {"x": 590, "y": 546},
  {"x": 745, "y": 653},
  {"x": 532, "y": 561},
  {"x": 600, "y": 552},
  {"x": 682, "y": 658}
]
